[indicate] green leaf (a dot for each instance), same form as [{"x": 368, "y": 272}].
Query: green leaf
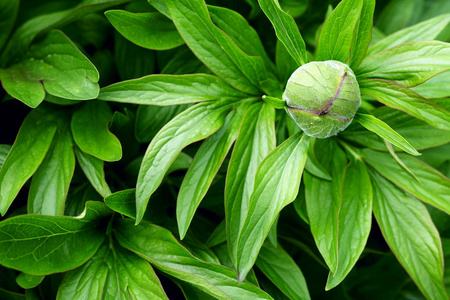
[
  {"x": 217, "y": 50},
  {"x": 400, "y": 97},
  {"x": 194, "y": 124},
  {"x": 28, "y": 281},
  {"x": 385, "y": 131},
  {"x": 4, "y": 150},
  {"x": 276, "y": 185},
  {"x": 93, "y": 169},
  {"x": 41, "y": 245},
  {"x": 313, "y": 166},
  {"x": 275, "y": 102},
  {"x": 323, "y": 201},
  {"x": 362, "y": 34},
  {"x": 354, "y": 220},
  {"x": 402, "y": 219},
  {"x": 286, "y": 30},
  {"x": 123, "y": 202},
  {"x": 256, "y": 139},
  {"x": 432, "y": 187},
  {"x": 165, "y": 90},
  {"x": 284, "y": 62},
  {"x": 90, "y": 131},
  {"x": 28, "y": 151},
  {"x": 409, "y": 64},
  {"x": 112, "y": 272},
  {"x": 435, "y": 87},
  {"x": 204, "y": 167},
  {"x": 11, "y": 295},
  {"x": 8, "y": 14},
  {"x": 427, "y": 30},
  {"x": 218, "y": 236},
  {"x": 50, "y": 183},
  {"x": 173, "y": 259},
  {"x": 53, "y": 64},
  {"x": 335, "y": 40},
  {"x": 282, "y": 270},
  {"x": 149, "y": 30}
]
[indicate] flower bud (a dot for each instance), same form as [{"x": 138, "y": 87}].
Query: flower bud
[{"x": 322, "y": 97}]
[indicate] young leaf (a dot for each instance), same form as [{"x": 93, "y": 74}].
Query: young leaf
[
  {"x": 90, "y": 131},
  {"x": 56, "y": 65},
  {"x": 276, "y": 185},
  {"x": 194, "y": 124},
  {"x": 409, "y": 64},
  {"x": 4, "y": 150},
  {"x": 149, "y": 30},
  {"x": 93, "y": 169},
  {"x": 8, "y": 14},
  {"x": 123, "y": 202},
  {"x": 204, "y": 167},
  {"x": 427, "y": 30},
  {"x": 25, "y": 240},
  {"x": 165, "y": 90},
  {"x": 173, "y": 259},
  {"x": 335, "y": 40},
  {"x": 432, "y": 187},
  {"x": 402, "y": 219},
  {"x": 28, "y": 281},
  {"x": 286, "y": 30},
  {"x": 362, "y": 35},
  {"x": 384, "y": 131},
  {"x": 435, "y": 87},
  {"x": 28, "y": 151},
  {"x": 256, "y": 139},
  {"x": 313, "y": 166},
  {"x": 282, "y": 270}
]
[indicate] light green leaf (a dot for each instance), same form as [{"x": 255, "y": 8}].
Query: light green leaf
[
  {"x": 53, "y": 64},
  {"x": 354, "y": 220},
  {"x": 402, "y": 98},
  {"x": 123, "y": 202},
  {"x": 313, "y": 166},
  {"x": 4, "y": 150},
  {"x": 218, "y": 236},
  {"x": 90, "y": 131},
  {"x": 164, "y": 90},
  {"x": 112, "y": 272},
  {"x": 385, "y": 131},
  {"x": 204, "y": 167},
  {"x": 409, "y": 64},
  {"x": 25, "y": 240},
  {"x": 398, "y": 14},
  {"x": 149, "y": 30},
  {"x": 426, "y": 30},
  {"x": 8, "y": 14},
  {"x": 50, "y": 183},
  {"x": 172, "y": 258},
  {"x": 282, "y": 270},
  {"x": 194, "y": 124},
  {"x": 28, "y": 281},
  {"x": 335, "y": 40},
  {"x": 284, "y": 62},
  {"x": 256, "y": 139},
  {"x": 93, "y": 169},
  {"x": 28, "y": 151},
  {"x": 276, "y": 185},
  {"x": 432, "y": 187},
  {"x": 402, "y": 219},
  {"x": 286, "y": 30},
  {"x": 435, "y": 87},
  {"x": 362, "y": 34}
]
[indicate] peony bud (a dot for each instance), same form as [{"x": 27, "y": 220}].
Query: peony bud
[{"x": 322, "y": 97}]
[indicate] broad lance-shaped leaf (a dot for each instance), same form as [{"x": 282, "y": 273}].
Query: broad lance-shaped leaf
[
  {"x": 25, "y": 240},
  {"x": 385, "y": 131},
  {"x": 432, "y": 187},
  {"x": 410, "y": 233},
  {"x": 8, "y": 14},
  {"x": 335, "y": 40},
  {"x": 169, "y": 256},
  {"x": 204, "y": 167},
  {"x": 362, "y": 35},
  {"x": 90, "y": 131},
  {"x": 50, "y": 183},
  {"x": 286, "y": 30},
  {"x": 112, "y": 273},
  {"x": 400, "y": 97},
  {"x": 323, "y": 201},
  {"x": 53, "y": 64},
  {"x": 217, "y": 50},
  {"x": 354, "y": 220},
  {"x": 426, "y": 30},
  {"x": 435, "y": 87},
  {"x": 409, "y": 64},
  {"x": 28, "y": 151},
  {"x": 256, "y": 139},
  {"x": 282, "y": 270},
  {"x": 165, "y": 90},
  {"x": 276, "y": 185},
  {"x": 149, "y": 30},
  {"x": 194, "y": 124}
]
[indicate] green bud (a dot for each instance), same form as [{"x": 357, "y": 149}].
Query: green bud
[{"x": 322, "y": 97}]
